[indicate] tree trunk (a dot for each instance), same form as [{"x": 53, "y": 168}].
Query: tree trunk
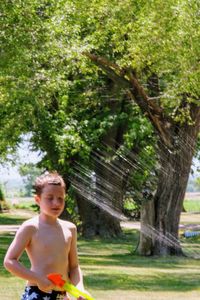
[
  {"x": 162, "y": 224},
  {"x": 65, "y": 215},
  {"x": 110, "y": 180},
  {"x": 147, "y": 217},
  {"x": 107, "y": 192},
  {"x": 96, "y": 222}
]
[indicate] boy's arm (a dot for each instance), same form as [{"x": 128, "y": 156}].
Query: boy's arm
[
  {"x": 11, "y": 260},
  {"x": 75, "y": 273},
  {"x": 17, "y": 247}
]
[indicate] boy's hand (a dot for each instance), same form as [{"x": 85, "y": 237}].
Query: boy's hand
[
  {"x": 67, "y": 297},
  {"x": 81, "y": 298},
  {"x": 45, "y": 285}
]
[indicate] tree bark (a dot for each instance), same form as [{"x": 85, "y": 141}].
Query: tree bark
[
  {"x": 147, "y": 218},
  {"x": 108, "y": 190},
  {"x": 164, "y": 218},
  {"x": 96, "y": 222},
  {"x": 110, "y": 179}
]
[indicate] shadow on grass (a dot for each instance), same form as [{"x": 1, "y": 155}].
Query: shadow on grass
[
  {"x": 119, "y": 252},
  {"x": 11, "y": 219},
  {"x": 129, "y": 239},
  {"x": 159, "y": 282},
  {"x": 129, "y": 260}
]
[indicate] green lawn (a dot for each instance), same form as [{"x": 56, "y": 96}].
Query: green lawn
[
  {"x": 11, "y": 219},
  {"x": 112, "y": 272},
  {"x": 191, "y": 205}
]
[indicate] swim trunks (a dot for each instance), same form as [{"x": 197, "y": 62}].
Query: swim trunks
[{"x": 34, "y": 293}]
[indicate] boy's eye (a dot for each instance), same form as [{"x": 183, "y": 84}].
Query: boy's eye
[
  {"x": 60, "y": 199},
  {"x": 49, "y": 198}
]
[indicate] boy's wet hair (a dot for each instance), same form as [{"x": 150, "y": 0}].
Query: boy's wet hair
[{"x": 52, "y": 178}]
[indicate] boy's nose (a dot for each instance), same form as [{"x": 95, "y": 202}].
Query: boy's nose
[{"x": 56, "y": 202}]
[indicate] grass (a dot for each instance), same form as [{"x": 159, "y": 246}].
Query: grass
[
  {"x": 112, "y": 272},
  {"x": 11, "y": 219},
  {"x": 191, "y": 205}
]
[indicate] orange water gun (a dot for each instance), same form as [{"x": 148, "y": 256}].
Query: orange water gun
[{"x": 67, "y": 286}]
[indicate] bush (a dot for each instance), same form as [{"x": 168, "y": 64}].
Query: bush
[
  {"x": 3, "y": 204},
  {"x": 2, "y": 197}
]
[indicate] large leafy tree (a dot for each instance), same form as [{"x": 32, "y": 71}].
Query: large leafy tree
[{"x": 151, "y": 49}]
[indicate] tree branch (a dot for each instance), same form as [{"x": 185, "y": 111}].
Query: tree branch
[
  {"x": 112, "y": 70},
  {"x": 128, "y": 79}
]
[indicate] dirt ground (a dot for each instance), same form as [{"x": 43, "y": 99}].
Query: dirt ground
[{"x": 192, "y": 196}]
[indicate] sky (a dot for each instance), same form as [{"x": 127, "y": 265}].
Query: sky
[{"x": 25, "y": 155}]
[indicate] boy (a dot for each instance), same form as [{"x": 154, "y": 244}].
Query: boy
[{"x": 50, "y": 244}]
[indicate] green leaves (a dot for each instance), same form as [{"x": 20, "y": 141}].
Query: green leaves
[{"x": 48, "y": 85}]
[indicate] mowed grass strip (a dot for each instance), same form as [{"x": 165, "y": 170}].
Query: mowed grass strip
[{"x": 11, "y": 219}]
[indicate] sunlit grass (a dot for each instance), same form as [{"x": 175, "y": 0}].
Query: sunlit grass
[
  {"x": 191, "y": 205},
  {"x": 111, "y": 271},
  {"x": 11, "y": 219}
]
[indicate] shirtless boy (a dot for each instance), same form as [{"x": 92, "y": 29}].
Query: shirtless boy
[{"x": 50, "y": 244}]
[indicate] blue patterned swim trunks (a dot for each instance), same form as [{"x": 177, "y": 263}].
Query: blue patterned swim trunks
[{"x": 34, "y": 293}]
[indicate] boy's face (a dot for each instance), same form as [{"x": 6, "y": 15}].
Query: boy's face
[{"x": 52, "y": 200}]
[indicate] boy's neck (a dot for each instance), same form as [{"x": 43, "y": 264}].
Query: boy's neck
[{"x": 47, "y": 220}]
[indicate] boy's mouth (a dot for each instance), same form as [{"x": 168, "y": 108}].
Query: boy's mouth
[{"x": 56, "y": 209}]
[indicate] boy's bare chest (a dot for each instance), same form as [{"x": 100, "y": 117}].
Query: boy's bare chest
[{"x": 52, "y": 241}]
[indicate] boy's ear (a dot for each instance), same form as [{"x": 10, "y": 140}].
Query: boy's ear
[{"x": 37, "y": 199}]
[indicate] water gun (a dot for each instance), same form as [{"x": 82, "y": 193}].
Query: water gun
[{"x": 67, "y": 286}]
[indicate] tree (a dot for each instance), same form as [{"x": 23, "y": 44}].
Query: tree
[{"x": 163, "y": 52}]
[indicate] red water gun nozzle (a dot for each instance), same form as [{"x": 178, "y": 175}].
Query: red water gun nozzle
[{"x": 56, "y": 279}]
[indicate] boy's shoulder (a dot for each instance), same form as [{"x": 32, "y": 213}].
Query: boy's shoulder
[
  {"x": 31, "y": 223},
  {"x": 29, "y": 226},
  {"x": 67, "y": 224}
]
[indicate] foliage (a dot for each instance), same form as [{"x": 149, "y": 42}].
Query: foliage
[
  {"x": 164, "y": 44},
  {"x": 70, "y": 106},
  {"x": 65, "y": 90},
  {"x": 152, "y": 38},
  {"x": 19, "y": 34}
]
